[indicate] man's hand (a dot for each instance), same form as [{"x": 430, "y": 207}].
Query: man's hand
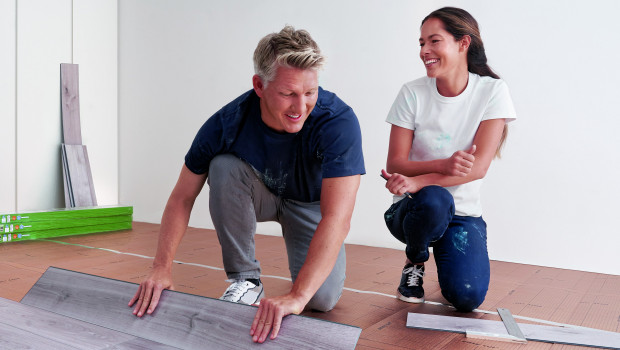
[
  {"x": 270, "y": 313},
  {"x": 460, "y": 163},
  {"x": 149, "y": 291}
]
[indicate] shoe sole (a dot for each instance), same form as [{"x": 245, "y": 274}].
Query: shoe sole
[
  {"x": 260, "y": 296},
  {"x": 412, "y": 300}
]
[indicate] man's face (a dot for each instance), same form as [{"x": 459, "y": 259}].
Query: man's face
[{"x": 288, "y": 99}]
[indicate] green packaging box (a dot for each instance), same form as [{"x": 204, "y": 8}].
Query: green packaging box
[{"x": 64, "y": 222}]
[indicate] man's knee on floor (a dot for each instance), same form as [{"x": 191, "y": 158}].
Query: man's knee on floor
[{"x": 324, "y": 301}]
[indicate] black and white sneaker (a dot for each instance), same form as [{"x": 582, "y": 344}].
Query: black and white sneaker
[
  {"x": 244, "y": 292},
  {"x": 410, "y": 289}
]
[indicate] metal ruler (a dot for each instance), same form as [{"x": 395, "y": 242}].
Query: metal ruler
[{"x": 511, "y": 325}]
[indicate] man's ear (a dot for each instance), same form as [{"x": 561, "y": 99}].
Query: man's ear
[{"x": 258, "y": 85}]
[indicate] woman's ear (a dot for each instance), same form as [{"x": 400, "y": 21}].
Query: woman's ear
[{"x": 465, "y": 42}]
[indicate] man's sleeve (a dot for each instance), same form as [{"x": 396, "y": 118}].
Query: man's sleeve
[
  {"x": 341, "y": 146},
  {"x": 206, "y": 145}
]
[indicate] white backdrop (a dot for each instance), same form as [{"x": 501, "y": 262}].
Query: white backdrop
[
  {"x": 551, "y": 200},
  {"x": 7, "y": 105},
  {"x": 36, "y": 36}
]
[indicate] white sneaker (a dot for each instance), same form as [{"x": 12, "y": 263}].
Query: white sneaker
[{"x": 243, "y": 292}]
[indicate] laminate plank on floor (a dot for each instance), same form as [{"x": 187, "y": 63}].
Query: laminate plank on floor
[
  {"x": 15, "y": 338},
  {"x": 181, "y": 320},
  {"x": 28, "y": 327},
  {"x": 142, "y": 344}
]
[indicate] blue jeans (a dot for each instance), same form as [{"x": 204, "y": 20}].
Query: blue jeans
[
  {"x": 238, "y": 199},
  {"x": 459, "y": 243}
]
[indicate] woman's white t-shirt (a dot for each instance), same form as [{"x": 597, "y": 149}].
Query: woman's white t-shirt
[{"x": 443, "y": 125}]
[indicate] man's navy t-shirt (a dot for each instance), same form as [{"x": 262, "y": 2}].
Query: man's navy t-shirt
[{"x": 292, "y": 166}]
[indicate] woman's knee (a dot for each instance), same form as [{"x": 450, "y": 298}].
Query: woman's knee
[
  {"x": 465, "y": 297},
  {"x": 435, "y": 200}
]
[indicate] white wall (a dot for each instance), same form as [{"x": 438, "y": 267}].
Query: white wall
[
  {"x": 43, "y": 42},
  {"x": 7, "y": 106},
  {"x": 95, "y": 49},
  {"x": 39, "y": 35},
  {"x": 549, "y": 201}
]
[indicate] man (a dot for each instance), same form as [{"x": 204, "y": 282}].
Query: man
[{"x": 286, "y": 151}]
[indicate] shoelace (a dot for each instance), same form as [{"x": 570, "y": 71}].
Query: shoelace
[
  {"x": 415, "y": 273},
  {"x": 236, "y": 289}
]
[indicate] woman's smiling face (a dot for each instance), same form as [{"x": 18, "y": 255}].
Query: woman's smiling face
[{"x": 441, "y": 54}]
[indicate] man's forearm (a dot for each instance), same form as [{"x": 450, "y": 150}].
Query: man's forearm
[
  {"x": 321, "y": 258},
  {"x": 173, "y": 226}
]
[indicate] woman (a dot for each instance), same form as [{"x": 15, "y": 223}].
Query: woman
[{"x": 446, "y": 129}]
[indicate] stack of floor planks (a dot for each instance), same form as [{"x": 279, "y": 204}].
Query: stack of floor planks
[{"x": 64, "y": 222}]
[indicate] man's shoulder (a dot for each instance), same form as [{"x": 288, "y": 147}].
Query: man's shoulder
[
  {"x": 238, "y": 104},
  {"x": 228, "y": 119},
  {"x": 328, "y": 103},
  {"x": 332, "y": 119}
]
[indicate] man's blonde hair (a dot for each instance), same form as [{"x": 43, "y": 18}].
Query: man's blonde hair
[{"x": 288, "y": 48}]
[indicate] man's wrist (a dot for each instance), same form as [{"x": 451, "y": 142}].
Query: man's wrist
[
  {"x": 302, "y": 296},
  {"x": 159, "y": 265}
]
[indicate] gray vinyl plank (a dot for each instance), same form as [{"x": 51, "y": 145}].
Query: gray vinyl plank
[
  {"x": 551, "y": 334},
  {"x": 69, "y": 203},
  {"x": 142, "y": 344},
  {"x": 80, "y": 178},
  {"x": 89, "y": 174},
  {"x": 181, "y": 320},
  {"x": 15, "y": 339},
  {"x": 26, "y": 323},
  {"x": 70, "y": 101}
]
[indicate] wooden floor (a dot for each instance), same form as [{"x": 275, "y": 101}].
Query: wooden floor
[{"x": 533, "y": 294}]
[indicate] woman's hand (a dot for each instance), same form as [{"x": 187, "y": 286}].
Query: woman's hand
[
  {"x": 400, "y": 184},
  {"x": 460, "y": 163}
]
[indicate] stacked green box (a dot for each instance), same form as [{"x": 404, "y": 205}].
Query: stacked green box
[{"x": 64, "y": 222}]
